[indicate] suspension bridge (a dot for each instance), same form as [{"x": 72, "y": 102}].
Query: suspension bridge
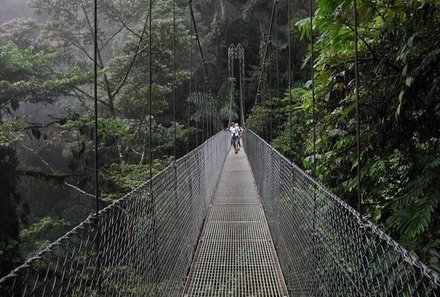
[{"x": 214, "y": 223}]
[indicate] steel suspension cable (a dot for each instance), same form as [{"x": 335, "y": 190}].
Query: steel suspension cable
[
  {"x": 312, "y": 73},
  {"x": 174, "y": 110},
  {"x": 208, "y": 108},
  {"x": 190, "y": 84},
  {"x": 95, "y": 91},
  {"x": 277, "y": 66},
  {"x": 150, "y": 94},
  {"x": 174, "y": 79},
  {"x": 150, "y": 138},
  {"x": 211, "y": 100},
  {"x": 207, "y": 84},
  {"x": 289, "y": 74},
  {"x": 203, "y": 107},
  {"x": 231, "y": 89},
  {"x": 263, "y": 125},
  {"x": 242, "y": 80},
  {"x": 270, "y": 99},
  {"x": 204, "y": 122},
  {"x": 356, "y": 75},
  {"x": 208, "y": 115},
  {"x": 263, "y": 64},
  {"x": 212, "y": 110},
  {"x": 196, "y": 98},
  {"x": 202, "y": 57}
]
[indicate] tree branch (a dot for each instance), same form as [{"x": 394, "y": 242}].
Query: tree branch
[
  {"x": 39, "y": 157},
  {"x": 111, "y": 38},
  {"x": 137, "y": 52},
  {"x": 87, "y": 95},
  {"x": 59, "y": 178},
  {"x": 387, "y": 61},
  {"x": 39, "y": 126},
  {"x": 78, "y": 190},
  {"x": 124, "y": 24},
  {"x": 76, "y": 43}
]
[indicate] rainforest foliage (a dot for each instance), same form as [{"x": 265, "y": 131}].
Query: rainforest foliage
[
  {"x": 47, "y": 100},
  {"x": 399, "y": 98}
]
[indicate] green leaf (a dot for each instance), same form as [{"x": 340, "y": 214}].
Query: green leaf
[
  {"x": 44, "y": 223},
  {"x": 401, "y": 96},
  {"x": 405, "y": 70},
  {"x": 410, "y": 41},
  {"x": 399, "y": 107}
]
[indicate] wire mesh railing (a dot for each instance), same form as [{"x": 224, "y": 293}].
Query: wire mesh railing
[
  {"x": 325, "y": 248},
  {"x": 146, "y": 242}
]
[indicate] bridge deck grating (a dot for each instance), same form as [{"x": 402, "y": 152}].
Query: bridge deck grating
[{"x": 235, "y": 254}]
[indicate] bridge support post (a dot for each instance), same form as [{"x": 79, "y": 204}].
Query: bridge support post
[{"x": 237, "y": 53}]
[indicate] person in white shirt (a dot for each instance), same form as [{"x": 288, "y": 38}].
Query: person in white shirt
[
  {"x": 240, "y": 132},
  {"x": 235, "y": 132}
]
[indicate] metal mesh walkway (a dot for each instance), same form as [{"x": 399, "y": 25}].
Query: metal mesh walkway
[{"x": 235, "y": 255}]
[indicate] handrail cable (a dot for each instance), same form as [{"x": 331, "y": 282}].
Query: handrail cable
[{"x": 333, "y": 258}]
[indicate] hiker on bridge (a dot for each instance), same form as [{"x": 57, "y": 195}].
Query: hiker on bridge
[
  {"x": 235, "y": 130},
  {"x": 240, "y": 134}
]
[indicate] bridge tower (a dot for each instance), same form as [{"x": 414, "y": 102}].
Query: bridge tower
[{"x": 236, "y": 54}]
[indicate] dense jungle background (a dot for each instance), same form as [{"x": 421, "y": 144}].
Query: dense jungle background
[{"x": 46, "y": 105}]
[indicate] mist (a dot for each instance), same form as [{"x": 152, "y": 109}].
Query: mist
[{"x": 11, "y": 9}]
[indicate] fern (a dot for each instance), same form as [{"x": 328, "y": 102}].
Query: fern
[{"x": 420, "y": 198}]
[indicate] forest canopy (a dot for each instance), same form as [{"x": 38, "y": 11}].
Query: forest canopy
[{"x": 46, "y": 104}]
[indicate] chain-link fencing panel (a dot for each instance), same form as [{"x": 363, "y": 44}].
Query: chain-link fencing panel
[
  {"x": 324, "y": 246},
  {"x": 142, "y": 244}
]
